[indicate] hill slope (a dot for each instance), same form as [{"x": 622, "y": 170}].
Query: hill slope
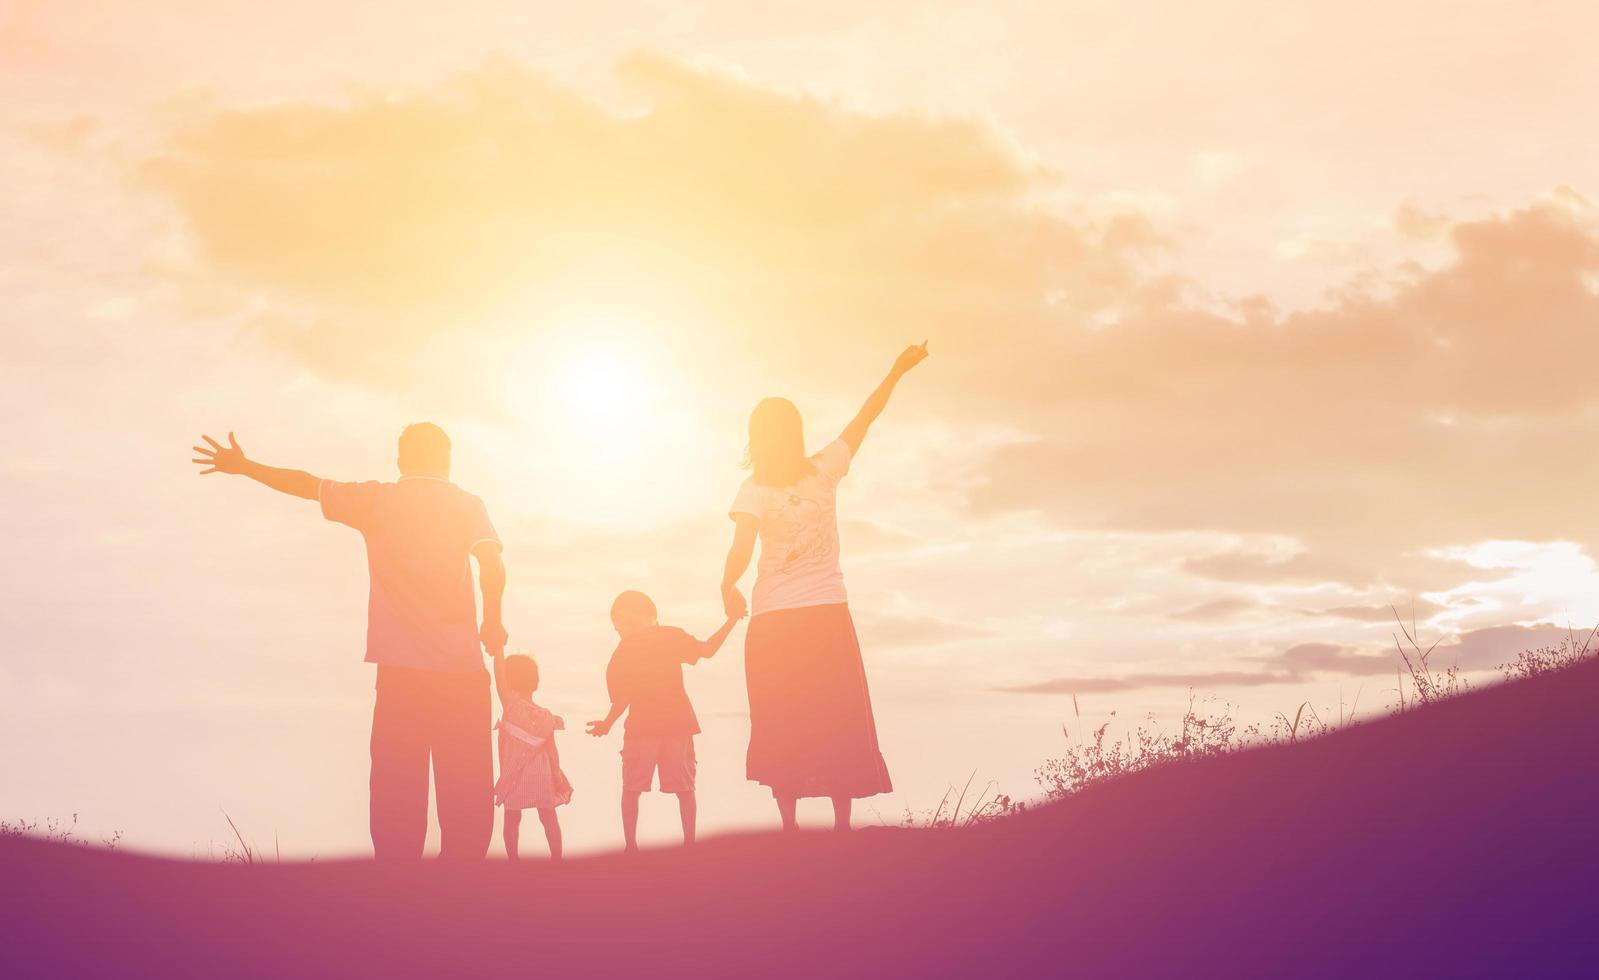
[{"x": 1458, "y": 840}]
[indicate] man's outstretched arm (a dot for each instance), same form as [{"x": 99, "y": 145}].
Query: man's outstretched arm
[{"x": 231, "y": 459}]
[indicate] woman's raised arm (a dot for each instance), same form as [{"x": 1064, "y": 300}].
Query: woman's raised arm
[{"x": 855, "y": 433}]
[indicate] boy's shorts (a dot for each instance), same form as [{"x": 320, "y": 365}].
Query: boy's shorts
[{"x": 642, "y": 755}]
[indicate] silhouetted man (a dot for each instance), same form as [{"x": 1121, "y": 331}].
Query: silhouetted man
[{"x": 423, "y": 634}]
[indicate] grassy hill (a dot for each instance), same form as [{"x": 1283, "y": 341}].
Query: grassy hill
[{"x": 1455, "y": 840}]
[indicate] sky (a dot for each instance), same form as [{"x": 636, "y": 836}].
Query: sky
[{"x": 1248, "y": 322}]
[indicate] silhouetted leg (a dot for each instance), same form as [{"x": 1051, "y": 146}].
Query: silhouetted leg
[
  {"x": 841, "y": 808},
  {"x": 552, "y": 830},
  {"x": 687, "y": 809},
  {"x": 463, "y": 767},
  {"x": 513, "y": 834},
  {"x": 785, "y": 809},
  {"x": 630, "y": 820},
  {"x": 399, "y": 780}
]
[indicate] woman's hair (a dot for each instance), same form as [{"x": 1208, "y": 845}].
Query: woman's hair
[
  {"x": 777, "y": 444},
  {"x": 522, "y": 672}
]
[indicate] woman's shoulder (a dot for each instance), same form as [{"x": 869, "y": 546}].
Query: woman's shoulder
[
  {"x": 751, "y": 498},
  {"x": 832, "y": 460}
]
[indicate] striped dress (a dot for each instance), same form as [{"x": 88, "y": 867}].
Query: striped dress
[{"x": 530, "y": 767}]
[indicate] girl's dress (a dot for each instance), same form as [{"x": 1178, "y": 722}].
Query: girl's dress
[{"x": 530, "y": 768}]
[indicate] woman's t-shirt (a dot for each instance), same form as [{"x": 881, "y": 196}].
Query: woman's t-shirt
[{"x": 799, "y": 535}]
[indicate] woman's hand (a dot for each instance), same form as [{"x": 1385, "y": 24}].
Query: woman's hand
[
  {"x": 913, "y": 355},
  {"x": 733, "y": 603}
]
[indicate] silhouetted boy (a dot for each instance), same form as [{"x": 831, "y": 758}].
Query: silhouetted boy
[{"x": 645, "y": 680}]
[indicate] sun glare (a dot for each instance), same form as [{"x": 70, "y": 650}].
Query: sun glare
[
  {"x": 587, "y": 378},
  {"x": 601, "y": 386},
  {"x": 600, "y": 401}
]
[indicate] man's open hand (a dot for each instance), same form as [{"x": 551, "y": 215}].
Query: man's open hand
[
  {"x": 220, "y": 458},
  {"x": 599, "y": 729}
]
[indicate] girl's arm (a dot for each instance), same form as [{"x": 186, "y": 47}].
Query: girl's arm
[
  {"x": 855, "y": 433},
  {"x": 745, "y": 527},
  {"x": 500, "y": 687}
]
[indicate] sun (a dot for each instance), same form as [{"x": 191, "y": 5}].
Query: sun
[
  {"x": 600, "y": 385},
  {"x": 584, "y": 379},
  {"x": 593, "y": 408}
]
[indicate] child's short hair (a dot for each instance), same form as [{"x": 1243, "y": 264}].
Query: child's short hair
[
  {"x": 522, "y": 672},
  {"x": 633, "y": 604}
]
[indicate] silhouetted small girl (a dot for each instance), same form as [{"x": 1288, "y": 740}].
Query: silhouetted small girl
[{"x": 530, "y": 767}]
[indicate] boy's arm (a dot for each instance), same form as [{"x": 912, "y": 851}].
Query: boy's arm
[
  {"x": 599, "y": 728},
  {"x": 231, "y": 459},
  {"x": 713, "y": 643}
]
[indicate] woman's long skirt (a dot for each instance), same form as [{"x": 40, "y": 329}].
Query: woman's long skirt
[{"x": 811, "y": 726}]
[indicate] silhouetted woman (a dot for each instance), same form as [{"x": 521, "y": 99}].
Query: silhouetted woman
[{"x": 811, "y": 726}]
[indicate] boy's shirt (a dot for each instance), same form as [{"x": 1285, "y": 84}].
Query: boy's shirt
[{"x": 646, "y": 672}]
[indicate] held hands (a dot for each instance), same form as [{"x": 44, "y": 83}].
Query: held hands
[
  {"x": 599, "y": 729},
  {"x": 494, "y": 638},
  {"x": 912, "y": 356},
  {"x": 733, "y": 603},
  {"x": 220, "y": 458}
]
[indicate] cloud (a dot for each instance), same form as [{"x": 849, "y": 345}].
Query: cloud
[
  {"x": 916, "y": 631},
  {"x": 1495, "y": 645},
  {"x": 1296, "y": 664},
  {"x": 1304, "y": 659},
  {"x": 1473, "y": 650},
  {"x": 1215, "y": 610},
  {"x": 1138, "y": 682},
  {"x": 1408, "y": 609},
  {"x": 1413, "y": 221},
  {"x": 21, "y": 40},
  {"x": 1374, "y": 426},
  {"x": 383, "y": 226},
  {"x": 70, "y": 135},
  {"x": 860, "y": 537},
  {"x": 409, "y": 240},
  {"x": 1299, "y": 568}
]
